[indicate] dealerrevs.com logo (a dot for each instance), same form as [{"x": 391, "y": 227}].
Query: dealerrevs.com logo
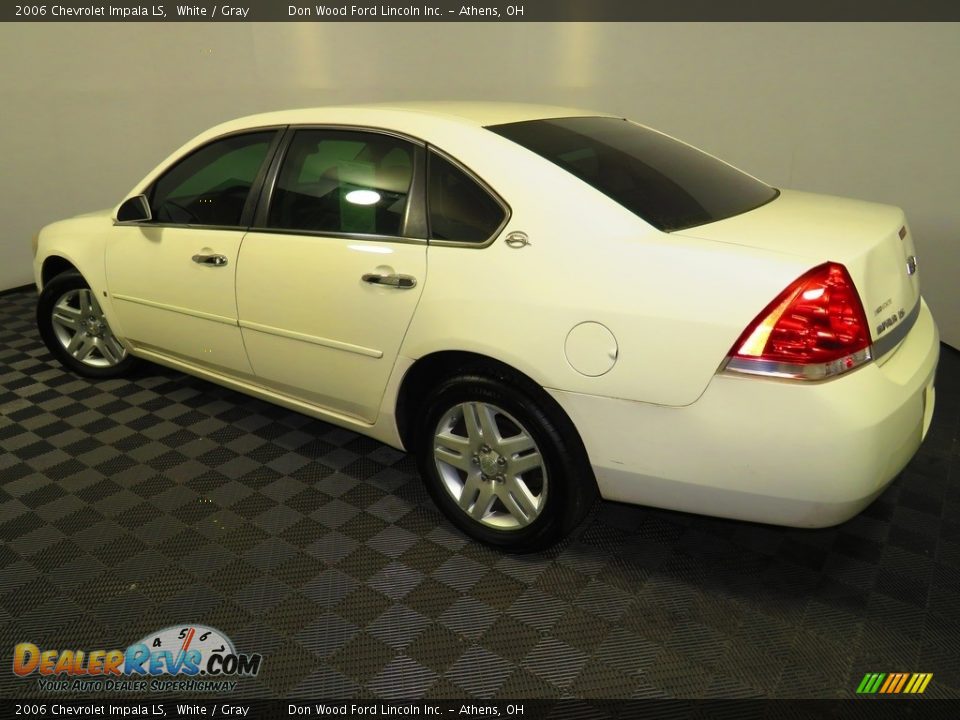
[{"x": 181, "y": 658}]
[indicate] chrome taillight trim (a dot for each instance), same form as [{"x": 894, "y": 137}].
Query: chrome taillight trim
[{"x": 795, "y": 371}]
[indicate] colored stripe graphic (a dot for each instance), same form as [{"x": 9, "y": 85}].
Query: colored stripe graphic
[
  {"x": 894, "y": 683},
  {"x": 891, "y": 680},
  {"x": 871, "y": 683},
  {"x": 901, "y": 682}
]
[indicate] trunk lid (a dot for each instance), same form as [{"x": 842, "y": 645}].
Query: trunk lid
[{"x": 871, "y": 240}]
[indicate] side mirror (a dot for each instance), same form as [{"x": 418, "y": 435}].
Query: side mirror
[{"x": 134, "y": 210}]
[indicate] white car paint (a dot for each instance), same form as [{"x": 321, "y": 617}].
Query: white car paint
[
  {"x": 165, "y": 304},
  {"x": 809, "y": 455},
  {"x": 661, "y": 422},
  {"x": 340, "y": 360}
]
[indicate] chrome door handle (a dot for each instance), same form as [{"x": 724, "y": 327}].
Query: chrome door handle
[
  {"x": 400, "y": 282},
  {"x": 215, "y": 260}
]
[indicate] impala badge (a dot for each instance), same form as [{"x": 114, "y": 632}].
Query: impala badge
[
  {"x": 891, "y": 321},
  {"x": 517, "y": 239},
  {"x": 911, "y": 264}
]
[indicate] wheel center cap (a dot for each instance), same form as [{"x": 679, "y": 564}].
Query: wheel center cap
[{"x": 489, "y": 462}]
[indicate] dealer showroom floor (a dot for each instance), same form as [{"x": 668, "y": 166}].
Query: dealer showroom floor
[{"x": 132, "y": 505}]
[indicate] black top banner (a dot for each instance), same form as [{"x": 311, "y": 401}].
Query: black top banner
[{"x": 495, "y": 11}]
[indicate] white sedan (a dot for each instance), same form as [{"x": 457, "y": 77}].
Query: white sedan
[{"x": 541, "y": 304}]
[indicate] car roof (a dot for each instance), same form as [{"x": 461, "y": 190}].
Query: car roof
[
  {"x": 410, "y": 115},
  {"x": 486, "y": 113}
]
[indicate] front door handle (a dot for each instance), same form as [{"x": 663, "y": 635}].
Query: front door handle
[
  {"x": 215, "y": 260},
  {"x": 400, "y": 282}
]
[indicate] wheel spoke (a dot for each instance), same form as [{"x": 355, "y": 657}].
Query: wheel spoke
[
  {"x": 454, "y": 443},
  {"x": 488, "y": 424},
  {"x": 518, "y": 499},
  {"x": 452, "y": 457},
  {"x": 484, "y": 500},
  {"x": 66, "y": 317},
  {"x": 472, "y": 422},
  {"x": 108, "y": 353},
  {"x": 470, "y": 488},
  {"x": 525, "y": 464},
  {"x": 515, "y": 445},
  {"x": 114, "y": 348},
  {"x": 87, "y": 344},
  {"x": 75, "y": 342},
  {"x": 85, "y": 297},
  {"x": 66, "y": 322}
]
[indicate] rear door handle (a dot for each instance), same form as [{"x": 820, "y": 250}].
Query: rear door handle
[
  {"x": 215, "y": 260},
  {"x": 400, "y": 282}
]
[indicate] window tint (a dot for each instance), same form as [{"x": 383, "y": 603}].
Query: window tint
[
  {"x": 210, "y": 186},
  {"x": 343, "y": 182},
  {"x": 459, "y": 208},
  {"x": 670, "y": 185}
]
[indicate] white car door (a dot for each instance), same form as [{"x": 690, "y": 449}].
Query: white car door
[
  {"x": 172, "y": 279},
  {"x": 331, "y": 273}
]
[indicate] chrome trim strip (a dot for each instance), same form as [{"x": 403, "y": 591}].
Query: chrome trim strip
[
  {"x": 181, "y": 226},
  {"x": 888, "y": 341},
  {"x": 180, "y": 310},
  {"x": 795, "y": 371},
  {"x": 339, "y": 235},
  {"x": 313, "y": 339},
  {"x": 350, "y": 127}
]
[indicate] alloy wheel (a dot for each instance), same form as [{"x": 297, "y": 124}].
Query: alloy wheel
[
  {"x": 81, "y": 328},
  {"x": 490, "y": 465}
]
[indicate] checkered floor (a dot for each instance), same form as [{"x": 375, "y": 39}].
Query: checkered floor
[{"x": 129, "y": 506}]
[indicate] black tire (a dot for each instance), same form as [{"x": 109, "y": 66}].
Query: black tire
[
  {"x": 67, "y": 288},
  {"x": 565, "y": 488}
]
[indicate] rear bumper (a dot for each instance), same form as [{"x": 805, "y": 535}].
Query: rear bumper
[{"x": 772, "y": 451}]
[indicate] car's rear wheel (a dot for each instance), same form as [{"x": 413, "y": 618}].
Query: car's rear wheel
[
  {"x": 502, "y": 462},
  {"x": 74, "y": 328}
]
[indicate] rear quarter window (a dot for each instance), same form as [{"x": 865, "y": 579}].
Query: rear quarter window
[{"x": 459, "y": 209}]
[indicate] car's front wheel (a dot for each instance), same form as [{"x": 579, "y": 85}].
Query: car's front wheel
[
  {"x": 74, "y": 328},
  {"x": 502, "y": 462}
]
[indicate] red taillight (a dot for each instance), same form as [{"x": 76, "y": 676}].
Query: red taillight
[{"x": 814, "y": 329}]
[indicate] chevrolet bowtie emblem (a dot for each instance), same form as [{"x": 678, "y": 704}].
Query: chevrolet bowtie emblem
[{"x": 911, "y": 264}]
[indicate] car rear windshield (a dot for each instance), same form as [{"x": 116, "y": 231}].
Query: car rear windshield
[{"x": 667, "y": 183}]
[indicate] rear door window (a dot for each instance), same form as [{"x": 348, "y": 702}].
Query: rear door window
[{"x": 343, "y": 182}]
